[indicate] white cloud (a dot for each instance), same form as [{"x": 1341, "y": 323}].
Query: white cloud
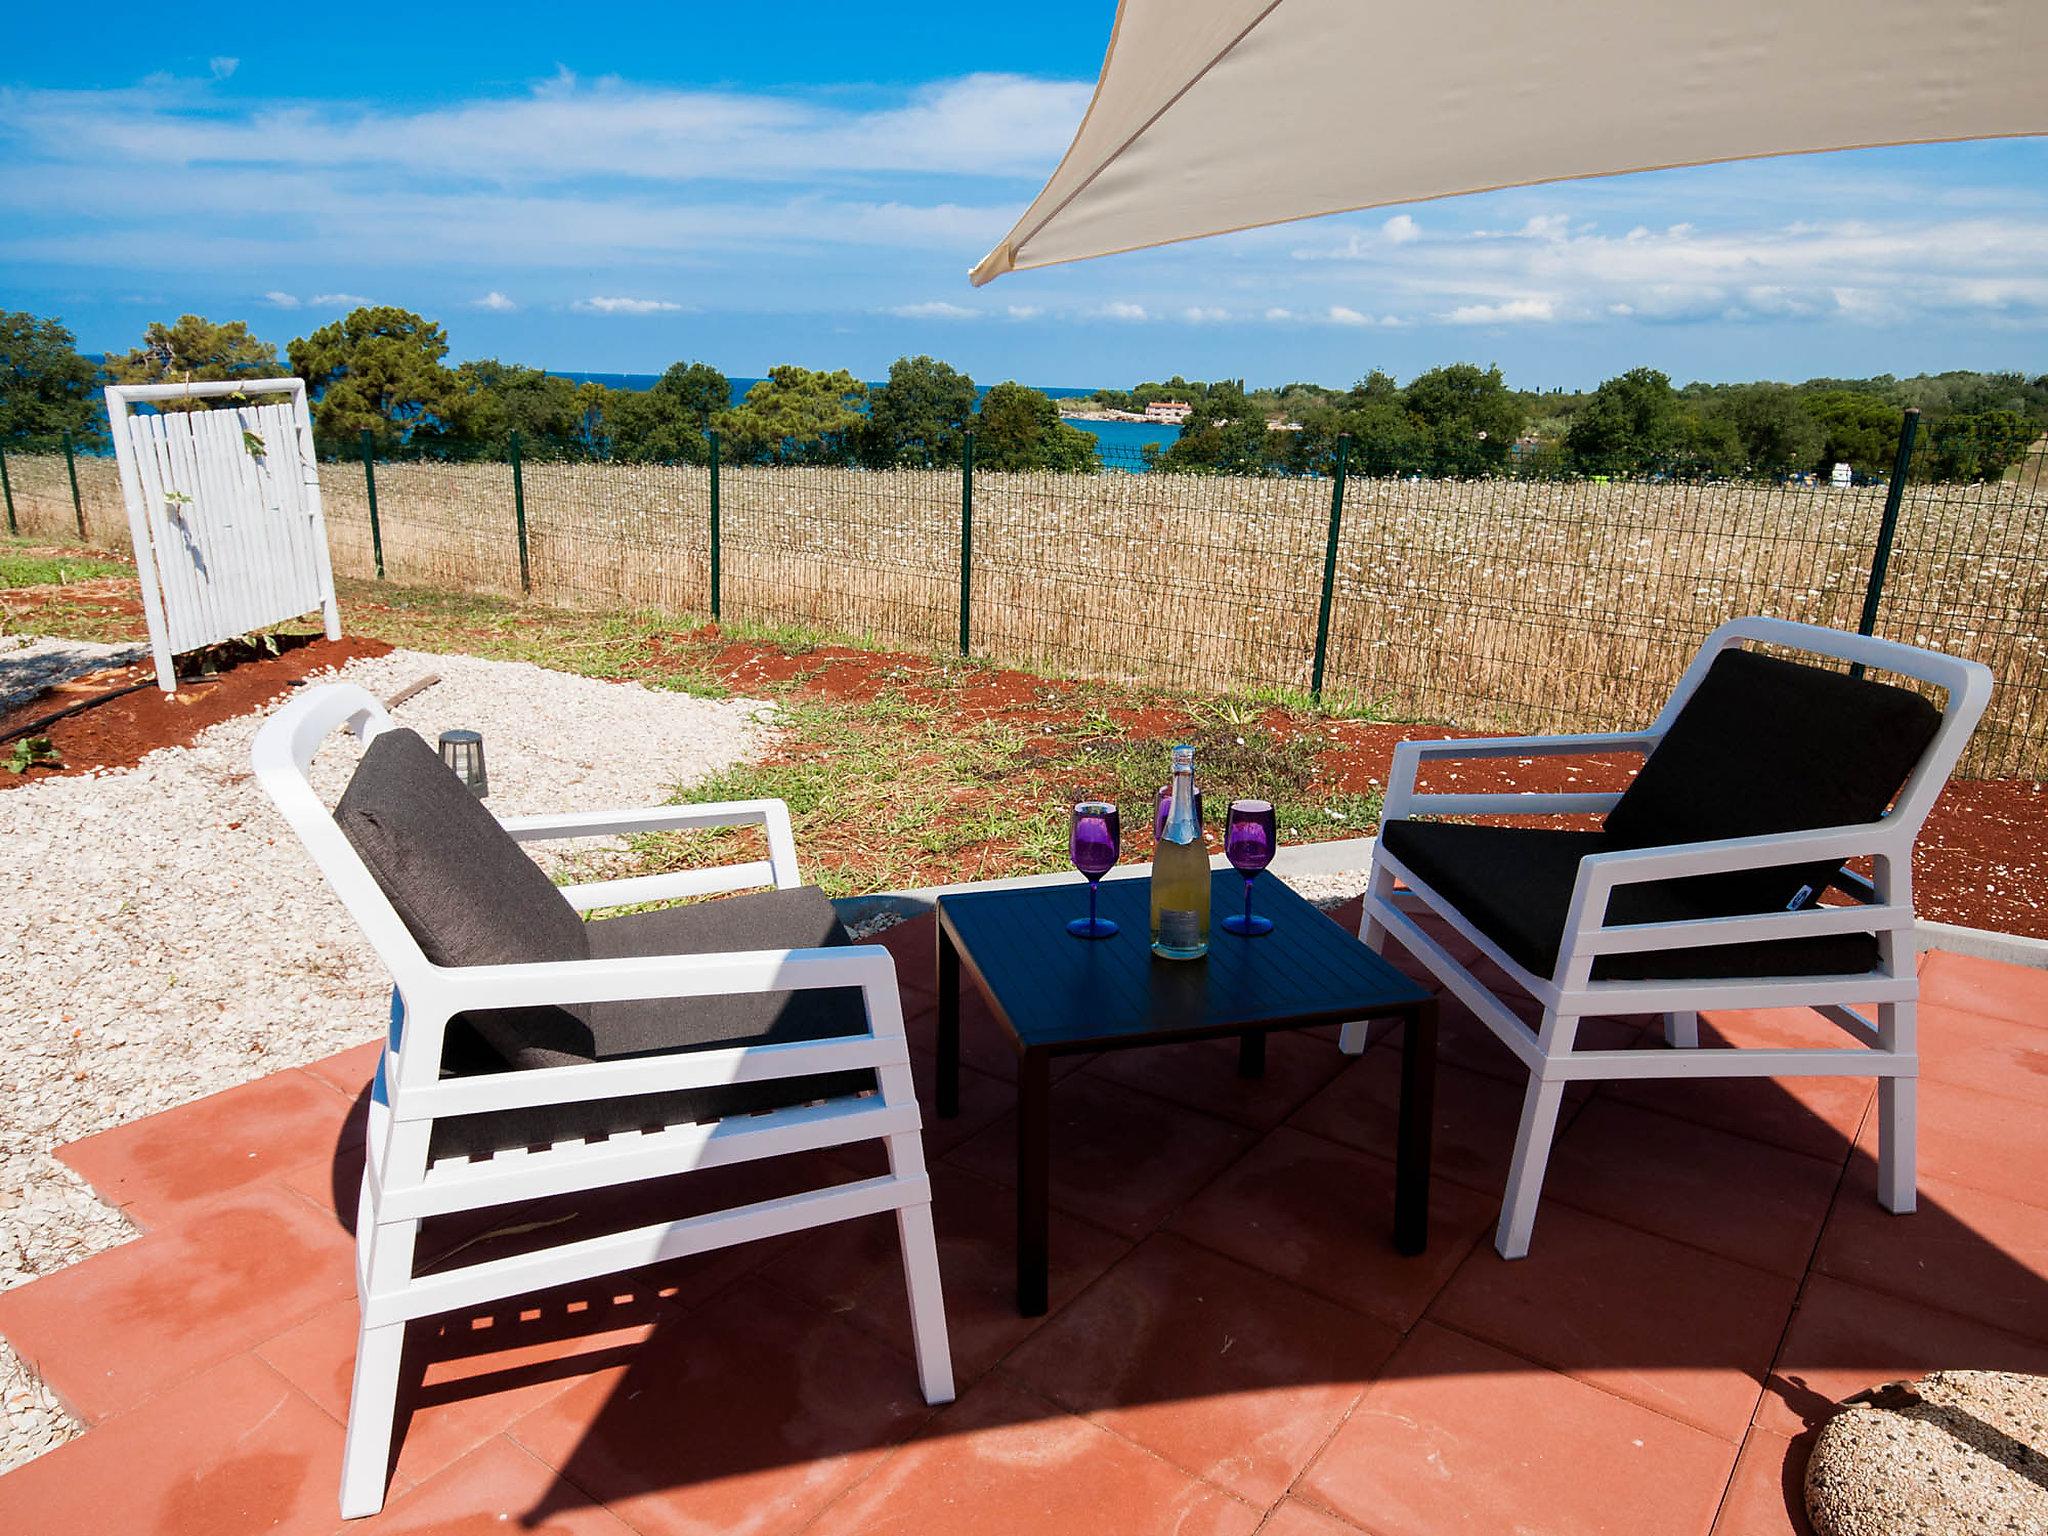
[
  {"x": 1343, "y": 315},
  {"x": 338, "y": 301},
  {"x": 1124, "y": 311},
  {"x": 1024, "y": 311},
  {"x": 1513, "y": 311},
  {"x": 277, "y": 299},
  {"x": 494, "y": 301},
  {"x": 1203, "y": 314},
  {"x": 1400, "y": 229},
  {"x": 223, "y": 65},
  {"x": 934, "y": 309},
  {"x": 1278, "y": 313},
  {"x": 617, "y": 306}
]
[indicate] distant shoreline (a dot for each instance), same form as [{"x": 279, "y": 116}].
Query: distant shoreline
[{"x": 1099, "y": 415}]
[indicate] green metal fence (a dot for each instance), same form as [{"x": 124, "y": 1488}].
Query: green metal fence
[{"x": 1513, "y": 603}]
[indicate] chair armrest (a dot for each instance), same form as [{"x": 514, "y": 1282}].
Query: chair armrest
[
  {"x": 1410, "y": 755},
  {"x": 770, "y": 815},
  {"x": 562, "y": 982}
]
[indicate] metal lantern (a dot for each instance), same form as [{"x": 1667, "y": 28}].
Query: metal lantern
[{"x": 463, "y": 752}]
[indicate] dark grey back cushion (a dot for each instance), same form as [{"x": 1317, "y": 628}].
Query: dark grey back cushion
[{"x": 464, "y": 889}]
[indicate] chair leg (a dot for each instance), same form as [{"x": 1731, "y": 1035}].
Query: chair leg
[
  {"x": 1682, "y": 1029},
  {"x": 1897, "y": 1114},
  {"x": 920, "y": 1245},
  {"x": 1540, "y": 1106},
  {"x": 372, "y": 1402}
]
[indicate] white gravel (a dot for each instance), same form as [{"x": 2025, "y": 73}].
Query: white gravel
[
  {"x": 31, "y": 663},
  {"x": 169, "y": 938}
]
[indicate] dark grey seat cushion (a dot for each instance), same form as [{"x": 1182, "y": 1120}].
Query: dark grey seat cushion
[
  {"x": 1515, "y": 885},
  {"x": 470, "y": 896}
]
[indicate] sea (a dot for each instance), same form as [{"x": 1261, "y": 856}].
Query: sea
[{"x": 1121, "y": 441}]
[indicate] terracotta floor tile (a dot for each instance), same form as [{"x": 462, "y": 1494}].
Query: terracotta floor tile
[
  {"x": 1728, "y": 1194},
  {"x": 1202, "y": 1074},
  {"x": 232, "y": 1452},
  {"x": 1961, "y": 1251},
  {"x": 854, "y": 1270},
  {"x": 1294, "y": 1518},
  {"x": 913, "y": 943},
  {"x": 1980, "y": 1141},
  {"x": 983, "y": 1043},
  {"x": 467, "y": 1376},
  {"x": 331, "y": 1184},
  {"x": 1322, "y": 1216},
  {"x": 1992, "y": 1055},
  {"x": 2015, "y": 992},
  {"x": 1476, "y": 1117},
  {"x": 348, "y": 1072},
  {"x": 1845, "y": 1338},
  {"x": 1121, "y": 1159},
  {"x": 1002, "y": 1462},
  {"x": 1456, "y": 1436},
  {"x": 126, "y": 1323},
  {"x": 744, "y": 1418},
  {"x": 159, "y": 1165},
  {"x": 984, "y": 1099},
  {"x": 1225, "y": 1371},
  {"x": 1767, "y": 1494},
  {"x": 1661, "y": 1324},
  {"x": 491, "y": 1491}
]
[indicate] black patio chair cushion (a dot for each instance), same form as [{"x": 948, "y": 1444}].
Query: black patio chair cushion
[
  {"x": 1515, "y": 885},
  {"x": 1767, "y": 745},
  {"x": 649, "y": 1027}
]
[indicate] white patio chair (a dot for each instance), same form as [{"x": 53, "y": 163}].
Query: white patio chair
[
  {"x": 1702, "y": 889},
  {"x": 532, "y": 1054}
]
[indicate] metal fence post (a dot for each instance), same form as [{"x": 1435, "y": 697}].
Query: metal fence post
[
  {"x": 966, "y": 537},
  {"x": 7, "y": 490},
  {"x": 71, "y": 469},
  {"x": 712, "y": 438},
  {"x": 370, "y": 483},
  {"x": 1315, "y": 686},
  {"x": 519, "y": 515},
  {"x": 1888, "y": 526}
]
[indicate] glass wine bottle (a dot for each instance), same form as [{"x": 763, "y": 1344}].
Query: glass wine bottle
[{"x": 1180, "y": 872}]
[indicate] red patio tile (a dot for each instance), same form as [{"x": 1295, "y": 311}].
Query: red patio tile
[
  {"x": 1668, "y": 1326},
  {"x": 1121, "y": 1159},
  {"x": 1961, "y": 1251},
  {"x": 1457, "y": 1436},
  {"x": 1476, "y": 1117},
  {"x": 156, "y": 1167},
  {"x": 913, "y": 944},
  {"x": 854, "y": 1270},
  {"x": 1845, "y": 1338},
  {"x": 1728, "y": 1194},
  {"x": 1322, "y": 1216},
  {"x": 1977, "y": 1140},
  {"x": 232, "y": 1452},
  {"x": 1978, "y": 1051},
  {"x": 128, "y": 1322},
  {"x": 350, "y": 1071},
  {"x": 983, "y": 1043},
  {"x": 743, "y": 1419},
  {"x": 1767, "y": 1494},
  {"x": 497, "y": 1487},
  {"x": 1225, "y": 1371},
  {"x": 2015, "y": 992},
  {"x": 467, "y": 1376},
  {"x": 1002, "y": 1462},
  {"x": 983, "y": 1100},
  {"x": 1202, "y": 1074},
  {"x": 1294, "y": 1518}
]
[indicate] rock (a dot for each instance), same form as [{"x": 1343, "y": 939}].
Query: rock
[{"x": 1957, "y": 1453}]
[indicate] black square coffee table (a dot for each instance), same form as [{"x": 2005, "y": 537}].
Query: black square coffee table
[{"x": 1055, "y": 995}]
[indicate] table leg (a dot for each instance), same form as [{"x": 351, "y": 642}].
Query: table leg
[
  {"x": 1034, "y": 1177},
  {"x": 949, "y": 1026},
  {"x": 1251, "y": 1053},
  {"x": 1416, "y": 1132}
]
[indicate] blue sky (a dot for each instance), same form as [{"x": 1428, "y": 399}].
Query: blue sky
[{"x": 617, "y": 187}]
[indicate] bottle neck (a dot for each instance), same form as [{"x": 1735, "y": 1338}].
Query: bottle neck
[{"x": 1182, "y": 825}]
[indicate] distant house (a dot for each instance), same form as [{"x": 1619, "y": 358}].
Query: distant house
[{"x": 1173, "y": 411}]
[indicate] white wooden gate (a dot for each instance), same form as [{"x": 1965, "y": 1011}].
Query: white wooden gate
[{"x": 224, "y": 508}]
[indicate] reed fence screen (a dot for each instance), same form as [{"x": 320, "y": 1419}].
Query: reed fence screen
[{"x": 1511, "y": 604}]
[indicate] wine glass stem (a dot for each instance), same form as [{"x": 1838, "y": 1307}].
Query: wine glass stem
[
  {"x": 1093, "y": 881},
  {"x": 1248, "y": 899}
]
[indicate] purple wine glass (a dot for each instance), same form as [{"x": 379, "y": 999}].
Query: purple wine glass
[
  {"x": 1248, "y": 842},
  {"x": 1162, "y": 802},
  {"x": 1093, "y": 844}
]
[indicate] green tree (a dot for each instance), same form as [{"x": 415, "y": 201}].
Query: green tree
[
  {"x": 191, "y": 350},
  {"x": 1226, "y": 434},
  {"x": 918, "y": 416},
  {"x": 697, "y": 390},
  {"x": 796, "y": 415},
  {"x": 1976, "y": 445},
  {"x": 666, "y": 424},
  {"x": 499, "y": 399},
  {"x": 1857, "y": 428},
  {"x": 1632, "y": 424},
  {"x": 46, "y": 387},
  {"x": 1470, "y": 416},
  {"x": 379, "y": 369},
  {"x": 1017, "y": 428},
  {"x": 1760, "y": 429}
]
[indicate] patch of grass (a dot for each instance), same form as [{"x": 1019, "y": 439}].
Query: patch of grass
[{"x": 31, "y": 569}]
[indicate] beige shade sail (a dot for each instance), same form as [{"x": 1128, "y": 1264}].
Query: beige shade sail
[{"x": 1218, "y": 115}]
